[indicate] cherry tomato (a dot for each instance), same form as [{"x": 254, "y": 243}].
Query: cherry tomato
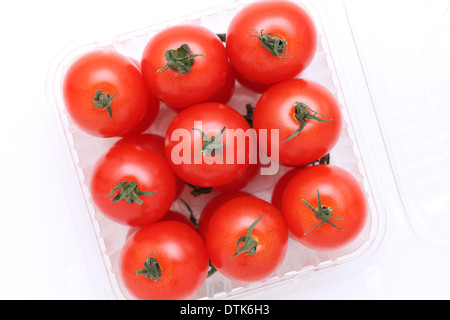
[
  {"x": 226, "y": 92},
  {"x": 185, "y": 65},
  {"x": 199, "y": 139},
  {"x": 243, "y": 180},
  {"x": 166, "y": 260},
  {"x": 324, "y": 207},
  {"x": 211, "y": 207},
  {"x": 173, "y": 215},
  {"x": 247, "y": 239},
  {"x": 280, "y": 186},
  {"x": 132, "y": 185},
  {"x": 306, "y": 116},
  {"x": 155, "y": 142},
  {"x": 271, "y": 41},
  {"x": 251, "y": 85},
  {"x": 105, "y": 94}
]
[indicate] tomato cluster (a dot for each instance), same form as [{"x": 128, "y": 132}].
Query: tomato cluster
[{"x": 209, "y": 144}]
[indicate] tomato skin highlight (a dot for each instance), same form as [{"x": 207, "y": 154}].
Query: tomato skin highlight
[
  {"x": 339, "y": 190},
  {"x": 208, "y": 72},
  {"x": 286, "y": 19},
  {"x": 232, "y": 221},
  {"x": 207, "y": 170},
  {"x": 148, "y": 168},
  {"x": 181, "y": 255},
  {"x": 115, "y": 74},
  {"x": 275, "y": 110}
]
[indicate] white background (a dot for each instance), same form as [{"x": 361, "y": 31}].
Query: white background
[{"x": 41, "y": 255}]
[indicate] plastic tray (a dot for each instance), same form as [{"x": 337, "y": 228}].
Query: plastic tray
[{"x": 368, "y": 147}]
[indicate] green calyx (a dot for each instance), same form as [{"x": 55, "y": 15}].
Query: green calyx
[
  {"x": 211, "y": 145},
  {"x": 250, "y": 243},
  {"x": 180, "y": 60},
  {"x": 129, "y": 192},
  {"x": 322, "y": 213},
  {"x": 273, "y": 43},
  {"x": 151, "y": 269},
  {"x": 303, "y": 113},
  {"x": 103, "y": 100}
]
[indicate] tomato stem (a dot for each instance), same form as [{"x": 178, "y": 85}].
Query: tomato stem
[
  {"x": 103, "y": 100},
  {"x": 322, "y": 213},
  {"x": 249, "y": 116},
  {"x": 196, "y": 191},
  {"x": 211, "y": 145},
  {"x": 191, "y": 213},
  {"x": 151, "y": 269},
  {"x": 129, "y": 192},
  {"x": 222, "y": 36},
  {"x": 303, "y": 113},
  {"x": 250, "y": 243},
  {"x": 324, "y": 160},
  {"x": 180, "y": 60},
  {"x": 212, "y": 269},
  {"x": 273, "y": 43}
]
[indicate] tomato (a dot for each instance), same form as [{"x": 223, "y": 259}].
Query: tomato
[
  {"x": 251, "y": 85},
  {"x": 247, "y": 239},
  {"x": 132, "y": 185},
  {"x": 271, "y": 41},
  {"x": 155, "y": 142},
  {"x": 211, "y": 207},
  {"x": 324, "y": 207},
  {"x": 149, "y": 117},
  {"x": 280, "y": 186},
  {"x": 185, "y": 65},
  {"x": 172, "y": 215},
  {"x": 243, "y": 180},
  {"x": 226, "y": 92},
  {"x": 306, "y": 116},
  {"x": 164, "y": 260},
  {"x": 105, "y": 94},
  {"x": 201, "y": 147}
]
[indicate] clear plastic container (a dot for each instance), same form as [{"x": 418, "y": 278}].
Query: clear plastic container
[{"x": 383, "y": 144}]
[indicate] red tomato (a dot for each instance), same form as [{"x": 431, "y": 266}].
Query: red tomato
[
  {"x": 247, "y": 239},
  {"x": 164, "y": 260},
  {"x": 105, "y": 94},
  {"x": 172, "y": 215},
  {"x": 226, "y": 92},
  {"x": 243, "y": 180},
  {"x": 149, "y": 117},
  {"x": 307, "y": 117},
  {"x": 199, "y": 139},
  {"x": 278, "y": 190},
  {"x": 211, "y": 207},
  {"x": 271, "y": 41},
  {"x": 333, "y": 222},
  {"x": 184, "y": 65},
  {"x": 155, "y": 142},
  {"x": 132, "y": 185},
  {"x": 253, "y": 86}
]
